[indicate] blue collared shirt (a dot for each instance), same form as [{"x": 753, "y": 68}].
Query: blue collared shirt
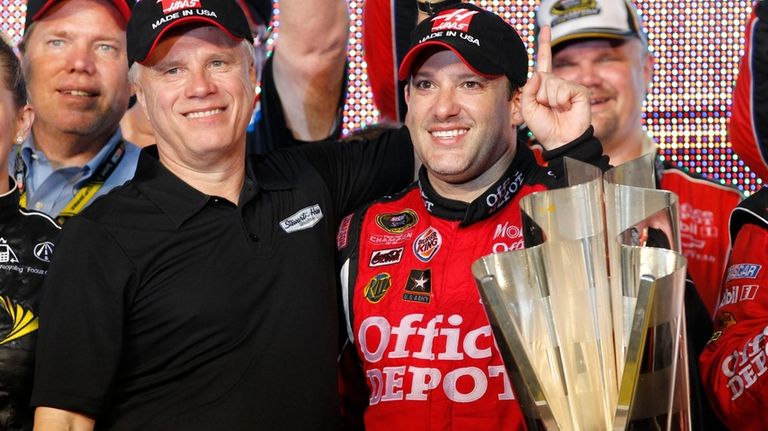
[{"x": 50, "y": 190}]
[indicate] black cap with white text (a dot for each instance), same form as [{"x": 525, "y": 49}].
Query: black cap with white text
[
  {"x": 151, "y": 19},
  {"x": 486, "y": 43}
]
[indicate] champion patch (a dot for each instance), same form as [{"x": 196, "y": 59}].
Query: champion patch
[
  {"x": 304, "y": 219},
  {"x": 427, "y": 244},
  {"x": 386, "y": 257},
  {"x": 377, "y": 287},
  {"x": 390, "y": 239},
  {"x": 397, "y": 222},
  {"x": 743, "y": 270},
  {"x": 418, "y": 288}
]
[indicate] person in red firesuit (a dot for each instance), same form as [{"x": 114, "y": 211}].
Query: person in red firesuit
[{"x": 412, "y": 306}]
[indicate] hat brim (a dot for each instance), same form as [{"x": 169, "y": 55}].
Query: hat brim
[
  {"x": 413, "y": 55},
  {"x": 187, "y": 21},
  {"x": 121, "y": 5},
  {"x": 593, "y": 34}
]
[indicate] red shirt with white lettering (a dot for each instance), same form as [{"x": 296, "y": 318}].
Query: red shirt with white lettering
[
  {"x": 414, "y": 311},
  {"x": 704, "y": 209},
  {"x": 734, "y": 363}
]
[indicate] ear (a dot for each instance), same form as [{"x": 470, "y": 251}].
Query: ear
[
  {"x": 253, "y": 79},
  {"x": 648, "y": 70},
  {"x": 515, "y": 108},
  {"x": 24, "y": 121},
  {"x": 141, "y": 97},
  {"x": 407, "y": 92}
]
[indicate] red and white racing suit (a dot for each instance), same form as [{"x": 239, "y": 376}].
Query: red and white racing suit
[
  {"x": 413, "y": 309},
  {"x": 748, "y": 127},
  {"x": 734, "y": 363},
  {"x": 704, "y": 209}
]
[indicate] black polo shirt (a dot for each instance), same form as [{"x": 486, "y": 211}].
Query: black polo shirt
[{"x": 166, "y": 309}]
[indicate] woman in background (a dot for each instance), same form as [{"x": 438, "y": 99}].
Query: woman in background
[{"x": 26, "y": 245}]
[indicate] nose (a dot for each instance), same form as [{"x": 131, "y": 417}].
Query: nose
[
  {"x": 446, "y": 103},
  {"x": 588, "y": 75},
  {"x": 200, "y": 84},
  {"x": 81, "y": 60}
]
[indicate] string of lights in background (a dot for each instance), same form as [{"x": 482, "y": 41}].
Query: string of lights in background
[{"x": 697, "y": 46}]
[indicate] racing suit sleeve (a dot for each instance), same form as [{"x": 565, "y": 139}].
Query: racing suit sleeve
[
  {"x": 586, "y": 148},
  {"x": 748, "y": 128},
  {"x": 734, "y": 364}
]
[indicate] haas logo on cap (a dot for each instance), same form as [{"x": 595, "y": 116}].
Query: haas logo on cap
[
  {"x": 453, "y": 19},
  {"x": 170, "y": 6}
]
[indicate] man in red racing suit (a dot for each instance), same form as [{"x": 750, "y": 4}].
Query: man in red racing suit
[
  {"x": 413, "y": 310},
  {"x": 734, "y": 363},
  {"x": 748, "y": 125}
]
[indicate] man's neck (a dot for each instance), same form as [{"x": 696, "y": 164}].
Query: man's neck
[
  {"x": 224, "y": 178},
  {"x": 626, "y": 148},
  {"x": 136, "y": 127},
  {"x": 470, "y": 190},
  {"x": 67, "y": 149}
]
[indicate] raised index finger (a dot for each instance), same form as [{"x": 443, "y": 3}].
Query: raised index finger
[{"x": 544, "y": 50}]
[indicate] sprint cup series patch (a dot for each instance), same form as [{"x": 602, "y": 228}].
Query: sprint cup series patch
[{"x": 397, "y": 222}]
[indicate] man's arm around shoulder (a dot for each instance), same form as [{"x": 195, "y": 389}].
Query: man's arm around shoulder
[{"x": 51, "y": 419}]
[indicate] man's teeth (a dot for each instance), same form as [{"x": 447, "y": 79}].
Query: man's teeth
[
  {"x": 449, "y": 133},
  {"x": 203, "y": 113},
  {"x": 78, "y": 93}
]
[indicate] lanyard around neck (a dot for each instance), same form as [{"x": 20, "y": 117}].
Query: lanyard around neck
[{"x": 85, "y": 193}]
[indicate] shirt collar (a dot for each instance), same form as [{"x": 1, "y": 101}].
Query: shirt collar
[
  {"x": 494, "y": 198},
  {"x": 29, "y": 149},
  {"x": 179, "y": 200}
]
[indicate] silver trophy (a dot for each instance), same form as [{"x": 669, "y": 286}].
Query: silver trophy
[{"x": 590, "y": 320}]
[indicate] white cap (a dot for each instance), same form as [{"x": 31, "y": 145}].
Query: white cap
[{"x": 587, "y": 19}]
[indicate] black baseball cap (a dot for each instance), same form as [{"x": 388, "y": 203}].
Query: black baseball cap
[
  {"x": 151, "y": 19},
  {"x": 483, "y": 40},
  {"x": 37, "y": 8}
]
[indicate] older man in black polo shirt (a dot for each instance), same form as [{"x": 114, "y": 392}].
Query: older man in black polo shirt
[{"x": 201, "y": 295}]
